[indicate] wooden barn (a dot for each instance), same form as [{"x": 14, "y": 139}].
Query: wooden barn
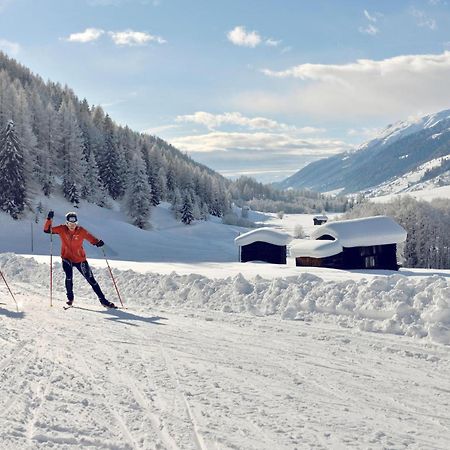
[
  {"x": 320, "y": 220},
  {"x": 263, "y": 244},
  {"x": 367, "y": 243}
]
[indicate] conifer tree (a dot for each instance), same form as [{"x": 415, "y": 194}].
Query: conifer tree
[
  {"x": 187, "y": 210},
  {"x": 177, "y": 203},
  {"x": 12, "y": 173},
  {"x": 138, "y": 194},
  {"x": 109, "y": 161},
  {"x": 71, "y": 151}
]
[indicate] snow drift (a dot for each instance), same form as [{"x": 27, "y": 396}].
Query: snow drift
[{"x": 387, "y": 304}]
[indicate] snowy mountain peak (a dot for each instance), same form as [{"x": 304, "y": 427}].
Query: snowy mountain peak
[
  {"x": 402, "y": 148},
  {"x": 401, "y": 129}
]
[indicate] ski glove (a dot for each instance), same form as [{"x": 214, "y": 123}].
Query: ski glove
[
  {"x": 50, "y": 215},
  {"x": 100, "y": 243}
]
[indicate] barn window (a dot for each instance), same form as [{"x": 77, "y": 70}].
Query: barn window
[{"x": 369, "y": 262}]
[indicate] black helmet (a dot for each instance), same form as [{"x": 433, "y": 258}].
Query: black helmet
[{"x": 71, "y": 217}]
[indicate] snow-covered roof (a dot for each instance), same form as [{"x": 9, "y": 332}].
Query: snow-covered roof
[
  {"x": 321, "y": 217},
  {"x": 264, "y": 235},
  {"x": 378, "y": 230},
  {"x": 315, "y": 249}
]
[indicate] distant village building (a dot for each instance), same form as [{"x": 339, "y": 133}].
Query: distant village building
[
  {"x": 320, "y": 220},
  {"x": 367, "y": 243},
  {"x": 263, "y": 244}
]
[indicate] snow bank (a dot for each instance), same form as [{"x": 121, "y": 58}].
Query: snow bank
[{"x": 391, "y": 304}]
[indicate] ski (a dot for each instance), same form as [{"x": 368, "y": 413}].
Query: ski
[{"x": 87, "y": 309}]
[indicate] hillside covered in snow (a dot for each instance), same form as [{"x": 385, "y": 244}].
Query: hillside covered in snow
[{"x": 414, "y": 152}]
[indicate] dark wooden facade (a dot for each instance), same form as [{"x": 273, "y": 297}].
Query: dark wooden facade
[
  {"x": 319, "y": 221},
  {"x": 263, "y": 251},
  {"x": 383, "y": 257}
]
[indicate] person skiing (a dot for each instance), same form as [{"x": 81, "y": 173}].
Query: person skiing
[{"x": 73, "y": 254}]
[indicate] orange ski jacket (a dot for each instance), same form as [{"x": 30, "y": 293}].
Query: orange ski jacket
[{"x": 71, "y": 241}]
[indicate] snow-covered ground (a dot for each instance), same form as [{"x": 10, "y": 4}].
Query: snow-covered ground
[
  {"x": 426, "y": 194},
  {"x": 212, "y": 353},
  {"x": 410, "y": 184}
]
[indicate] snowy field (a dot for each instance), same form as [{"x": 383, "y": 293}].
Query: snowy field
[{"x": 213, "y": 354}]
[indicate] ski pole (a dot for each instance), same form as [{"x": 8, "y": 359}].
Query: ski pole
[
  {"x": 112, "y": 277},
  {"x": 12, "y": 295},
  {"x": 51, "y": 267}
]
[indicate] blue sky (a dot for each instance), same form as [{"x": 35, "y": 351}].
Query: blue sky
[{"x": 245, "y": 86}]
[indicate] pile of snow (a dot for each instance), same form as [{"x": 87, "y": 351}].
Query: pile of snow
[
  {"x": 391, "y": 304},
  {"x": 376, "y": 230},
  {"x": 269, "y": 235}
]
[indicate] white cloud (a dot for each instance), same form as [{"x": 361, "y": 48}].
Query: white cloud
[
  {"x": 423, "y": 20},
  {"x": 214, "y": 121},
  {"x": 370, "y": 17},
  {"x": 268, "y": 156},
  {"x": 134, "y": 38},
  {"x": 273, "y": 143},
  {"x": 240, "y": 36},
  {"x": 272, "y": 42},
  {"x": 12, "y": 48},
  {"x": 387, "y": 89},
  {"x": 88, "y": 35},
  {"x": 369, "y": 29}
]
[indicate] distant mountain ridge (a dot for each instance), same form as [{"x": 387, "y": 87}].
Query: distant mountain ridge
[{"x": 403, "y": 148}]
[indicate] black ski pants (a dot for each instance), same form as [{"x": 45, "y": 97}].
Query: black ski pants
[{"x": 86, "y": 271}]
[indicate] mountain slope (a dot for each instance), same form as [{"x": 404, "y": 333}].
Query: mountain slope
[
  {"x": 399, "y": 149},
  {"x": 63, "y": 145}
]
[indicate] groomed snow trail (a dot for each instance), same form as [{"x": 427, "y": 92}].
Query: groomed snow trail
[{"x": 90, "y": 378}]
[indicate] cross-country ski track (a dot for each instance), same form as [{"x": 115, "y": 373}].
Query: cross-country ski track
[{"x": 189, "y": 379}]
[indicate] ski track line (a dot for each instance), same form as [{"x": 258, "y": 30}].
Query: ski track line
[
  {"x": 157, "y": 401},
  {"x": 143, "y": 401},
  {"x": 41, "y": 398},
  {"x": 126, "y": 379},
  {"x": 15, "y": 396},
  {"x": 171, "y": 370},
  {"x": 106, "y": 402},
  {"x": 15, "y": 352}
]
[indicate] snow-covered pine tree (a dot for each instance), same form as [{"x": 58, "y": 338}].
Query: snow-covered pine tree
[
  {"x": 12, "y": 173},
  {"x": 91, "y": 184},
  {"x": 49, "y": 142},
  {"x": 109, "y": 161},
  {"x": 220, "y": 200},
  {"x": 204, "y": 212},
  {"x": 138, "y": 194},
  {"x": 21, "y": 115},
  {"x": 161, "y": 181},
  {"x": 153, "y": 164},
  {"x": 72, "y": 155},
  {"x": 186, "y": 212},
  {"x": 177, "y": 203}
]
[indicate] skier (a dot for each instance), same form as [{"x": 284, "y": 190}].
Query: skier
[{"x": 73, "y": 254}]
